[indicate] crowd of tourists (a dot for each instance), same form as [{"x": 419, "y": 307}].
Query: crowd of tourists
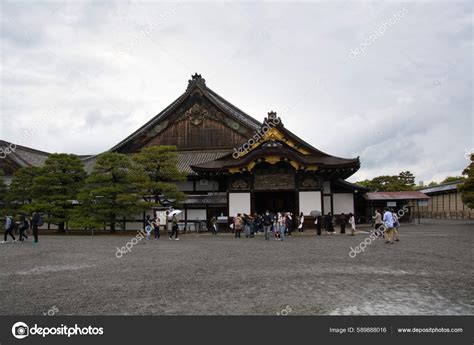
[
  {"x": 281, "y": 224},
  {"x": 20, "y": 225},
  {"x": 277, "y": 225}
]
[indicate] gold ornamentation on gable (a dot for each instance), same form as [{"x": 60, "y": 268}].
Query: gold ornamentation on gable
[
  {"x": 196, "y": 115},
  {"x": 273, "y": 134}
]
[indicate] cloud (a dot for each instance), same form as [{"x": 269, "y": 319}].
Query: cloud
[{"x": 99, "y": 70}]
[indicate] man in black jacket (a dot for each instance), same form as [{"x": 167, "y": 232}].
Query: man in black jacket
[
  {"x": 267, "y": 223},
  {"x": 34, "y": 225}
]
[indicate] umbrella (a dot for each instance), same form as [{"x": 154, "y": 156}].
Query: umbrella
[
  {"x": 315, "y": 213},
  {"x": 174, "y": 212}
]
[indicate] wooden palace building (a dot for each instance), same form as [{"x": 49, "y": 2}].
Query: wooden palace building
[{"x": 235, "y": 163}]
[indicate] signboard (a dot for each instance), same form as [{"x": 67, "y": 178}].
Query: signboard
[
  {"x": 391, "y": 204},
  {"x": 422, "y": 202}
]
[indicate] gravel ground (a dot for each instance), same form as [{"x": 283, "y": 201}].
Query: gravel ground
[{"x": 428, "y": 272}]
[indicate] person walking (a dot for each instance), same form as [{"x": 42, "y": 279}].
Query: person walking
[
  {"x": 378, "y": 222},
  {"x": 214, "y": 225},
  {"x": 267, "y": 224},
  {"x": 396, "y": 225},
  {"x": 318, "y": 224},
  {"x": 342, "y": 222},
  {"x": 388, "y": 222},
  {"x": 300, "y": 222},
  {"x": 174, "y": 228},
  {"x": 9, "y": 226},
  {"x": 35, "y": 224},
  {"x": 23, "y": 226},
  {"x": 352, "y": 222},
  {"x": 238, "y": 224},
  {"x": 156, "y": 227}
]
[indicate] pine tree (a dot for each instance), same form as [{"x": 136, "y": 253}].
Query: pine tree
[
  {"x": 56, "y": 187},
  {"x": 160, "y": 164},
  {"x": 113, "y": 190},
  {"x": 20, "y": 193}
]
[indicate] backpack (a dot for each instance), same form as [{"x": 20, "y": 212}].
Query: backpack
[
  {"x": 238, "y": 222},
  {"x": 12, "y": 224},
  {"x": 40, "y": 221}
]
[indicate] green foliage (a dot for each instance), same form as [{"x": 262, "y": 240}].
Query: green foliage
[
  {"x": 160, "y": 164},
  {"x": 3, "y": 188},
  {"x": 432, "y": 184},
  {"x": 20, "y": 194},
  {"x": 56, "y": 186},
  {"x": 452, "y": 179},
  {"x": 467, "y": 188},
  {"x": 385, "y": 183},
  {"x": 113, "y": 190}
]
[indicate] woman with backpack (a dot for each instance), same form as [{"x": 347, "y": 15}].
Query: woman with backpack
[{"x": 238, "y": 223}]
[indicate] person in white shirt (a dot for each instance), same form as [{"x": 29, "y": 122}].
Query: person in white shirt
[
  {"x": 352, "y": 222},
  {"x": 388, "y": 221}
]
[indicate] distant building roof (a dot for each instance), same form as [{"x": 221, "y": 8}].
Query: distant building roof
[
  {"x": 407, "y": 195},
  {"x": 445, "y": 187}
]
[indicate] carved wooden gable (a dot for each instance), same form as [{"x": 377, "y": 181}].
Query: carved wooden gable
[{"x": 197, "y": 124}]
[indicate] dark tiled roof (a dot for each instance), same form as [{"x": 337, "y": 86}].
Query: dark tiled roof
[
  {"x": 25, "y": 156},
  {"x": 407, "y": 195},
  {"x": 446, "y": 187},
  {"x": 350, "y": 185},
  {"x": 324, "y": 161},
  {"x": 186, "y": 159},
  {"x": 195, "y": 83}
]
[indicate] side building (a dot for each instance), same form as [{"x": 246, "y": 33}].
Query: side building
[{"x": 445, "y": 202}]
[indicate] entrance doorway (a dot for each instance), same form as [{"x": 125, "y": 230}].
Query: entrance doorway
[{"x": 274, "y": 202}]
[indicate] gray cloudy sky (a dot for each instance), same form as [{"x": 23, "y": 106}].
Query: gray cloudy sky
[{"x": 81, "y": 76}]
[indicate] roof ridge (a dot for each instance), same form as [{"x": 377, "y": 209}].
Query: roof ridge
[{"x": 26, "y": 148}]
